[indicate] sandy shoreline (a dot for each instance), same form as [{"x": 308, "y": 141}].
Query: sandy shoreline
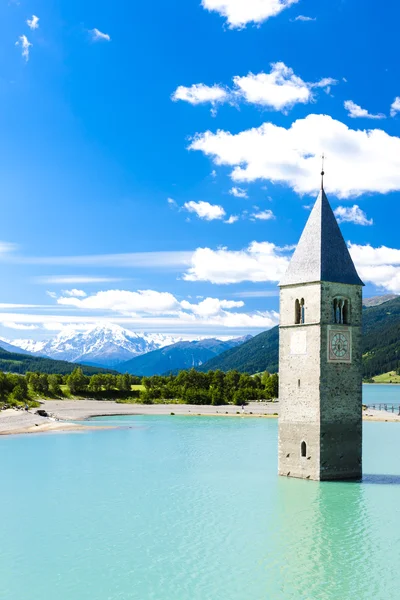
[{"x": 64, "y": 412}]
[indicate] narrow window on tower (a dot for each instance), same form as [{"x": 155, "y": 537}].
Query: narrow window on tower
[
  {"x": 303, "y": 312},
  {"x": 303, "y": 449},
  {"x": 339, "y": 312},
  {"x": 297, "y": 312},
  {"x": 346, "y": 313}
]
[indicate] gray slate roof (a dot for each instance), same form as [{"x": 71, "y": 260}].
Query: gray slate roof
[{"x": 321, "y": 254}]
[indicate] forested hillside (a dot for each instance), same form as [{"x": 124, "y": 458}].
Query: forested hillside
[
  {"x": 174, "y": 358},
  {"x": 21, "y": 363},
  {"x": 254, "y": 356},
  {"x": 381, "y": 345},
  {"x": 381, "y": 339}
]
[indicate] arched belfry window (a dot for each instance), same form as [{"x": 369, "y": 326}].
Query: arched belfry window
[
  {"x": 341, "y": 311},
  {"x": 297, "y": 312},
  {"x": 302, "y": 311},
  {"x": 303, "y": 449}
]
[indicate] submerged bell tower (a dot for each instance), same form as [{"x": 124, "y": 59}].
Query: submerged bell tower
[{"x": 320, "y": 369}]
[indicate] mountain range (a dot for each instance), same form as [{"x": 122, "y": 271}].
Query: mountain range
[
  {"x": 105, "y": 345},
  {"x": 183, "y": 355},
  {"x": 260, "y": 353},
  {"x": 16, "y": 362},
  {"x": 111, "y": 346},
  {"x": 381, "y": 344},
  {"x": 4, "y": 345}
]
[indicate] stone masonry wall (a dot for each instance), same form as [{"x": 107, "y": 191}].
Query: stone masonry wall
[
  {"x": 299, "y": 368},
  {"x": 341, "y": 391},
  {"x": 321, "y": 402}
]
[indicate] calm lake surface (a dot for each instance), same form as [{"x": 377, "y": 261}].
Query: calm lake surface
[
  {"x": 187, "y": 508},
  {"x": 381, "y": 394}
]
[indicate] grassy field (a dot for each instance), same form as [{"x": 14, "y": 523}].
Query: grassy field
[
  {"x": 66, "y": 394},
  {"x": 390, "y": 377}
]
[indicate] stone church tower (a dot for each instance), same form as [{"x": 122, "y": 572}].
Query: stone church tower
[{"x": 320, "y": 374}]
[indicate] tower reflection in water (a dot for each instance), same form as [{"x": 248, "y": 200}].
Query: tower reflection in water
[{"x": 327, "y": 544}]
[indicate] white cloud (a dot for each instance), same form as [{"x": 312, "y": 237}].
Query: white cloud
[
  {"x": 261, "y": 261},
  {"x": 239, "y": 13},
  {"x": 360, "y": 161},
  {"x": 33, "y": 23},
  {"x": 259, "y": 320},
  {"x": 232, "y": 219},
  {"x": 205, "y": 210},
  {"x": 280, "y": 89},
  {"x": 257, "y": 294},
  {"x": 20, "y": 326},
  {"x": 7, "y": 248},
  {"x": 304, "y": 18},
  {"x": 356, "y": 111},
  {"x": 352, "y": 214},
  {"x": 99, "y": 36},
  {"x": 25, "y": 44},
  {"x": 325, "y": 82},
  {"x": 238, "y": 192},
  {"x": 380, "y": 266},
  {"x": 74, "y": 279},
  {"x": 149, "y": 306},
  {"x": 263, "y": 215},
  {"x": 200, "y": 94},
  {"x": 172, "y": 203},
  {"x": 210, "y": 306},
  {"x": 181, "y": 321},
  {"x": 142, "y": 301},
  {"x": 74, "y": 293},
  {"x": 395, "y": 107},
  {"x": 143, "y": 260}
]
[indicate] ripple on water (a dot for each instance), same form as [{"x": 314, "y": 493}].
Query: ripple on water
[{"x": 191, "y": 509}]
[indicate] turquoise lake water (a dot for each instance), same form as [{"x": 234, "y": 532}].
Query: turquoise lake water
[
  {"x": 381, "y": 393},
  {"x": 191, "y": 508}
]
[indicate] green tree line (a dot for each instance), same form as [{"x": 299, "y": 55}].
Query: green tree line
[
  {"x": 214, "y": 387},
  {"x": 18, "y": 390},
  {"x": 191, "y": 387}
]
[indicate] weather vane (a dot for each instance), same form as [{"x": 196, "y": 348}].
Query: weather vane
[{"x": 322, "y": 171}]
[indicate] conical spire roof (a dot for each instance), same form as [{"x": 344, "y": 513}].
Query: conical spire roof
[{"x": 322, "y": 253}]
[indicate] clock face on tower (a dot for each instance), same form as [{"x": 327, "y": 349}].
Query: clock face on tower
[{"x": 339, "y": 346}]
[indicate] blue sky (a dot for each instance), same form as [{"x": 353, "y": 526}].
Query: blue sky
[{"x": 157, "y": 158}]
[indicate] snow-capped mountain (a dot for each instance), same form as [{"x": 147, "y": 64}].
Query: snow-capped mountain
[
  {"x": 5, "y": 345},
  {"x": 104, "y": 345}
]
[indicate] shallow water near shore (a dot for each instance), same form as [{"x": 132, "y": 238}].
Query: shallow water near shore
[
  {"x": 381, "y": 393},
  {"x": 186, "y": 508}
]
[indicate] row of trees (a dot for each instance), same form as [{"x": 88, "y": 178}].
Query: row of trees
[
  {"x": 22, "y": 389},
  {"x": 13, "y": 389},
  {"x": 79, "y": 384},
  {"x": 191, "y": 387},
  {"x": 214, "y": 387}
]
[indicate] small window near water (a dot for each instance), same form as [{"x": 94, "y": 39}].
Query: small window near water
[{"x": 303, "y": 449}]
